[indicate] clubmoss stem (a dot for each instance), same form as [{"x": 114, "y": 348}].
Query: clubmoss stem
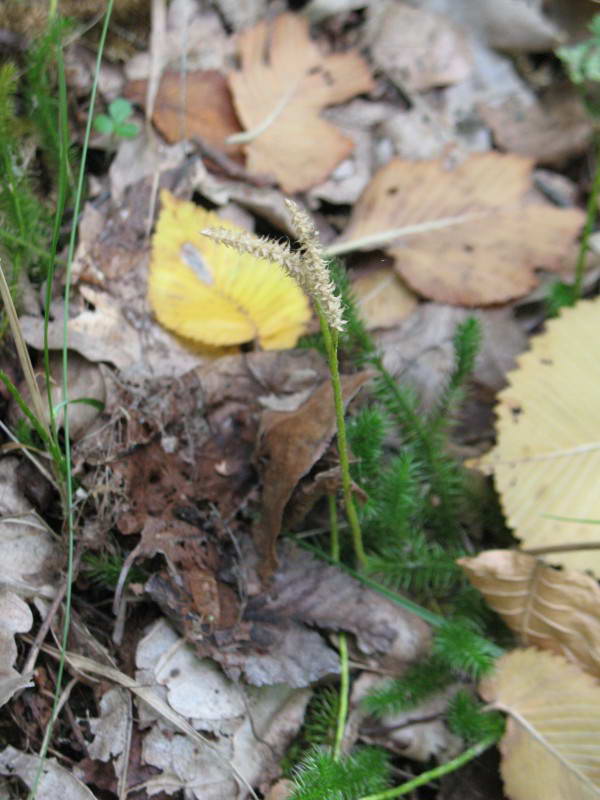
[{"x": 436, "y": 772}]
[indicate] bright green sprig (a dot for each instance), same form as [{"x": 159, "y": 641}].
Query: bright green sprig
[
  {"x": 319, "y": 776},
  {"x": 469, "y": 719},
  {"x": 418, "y": 683}
]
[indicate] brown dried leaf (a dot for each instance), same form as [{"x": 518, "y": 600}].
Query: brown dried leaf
[
  {"x": 285, "y": 81},
  {"x": 489, "y": 258},
  {"x": 197, "y": 103},
  {"x": 557, "y": 611},
  {"x": 382, "y": 299},
  {"x": 309, "y": 590},
  {"x": 309, "y": 430},
  {"x": 548, "y": 131},
  {"x": 550, "y": 748}
]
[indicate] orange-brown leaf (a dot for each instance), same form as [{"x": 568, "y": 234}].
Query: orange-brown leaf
[
  {"x": 285, "y": 80},
  {"x": 492, "y": 253}
]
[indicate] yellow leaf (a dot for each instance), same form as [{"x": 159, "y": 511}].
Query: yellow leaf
[
  {"x": 209, "y": 293},
  {"x": 547, "y": 459},
  {"x": 551, "y": 746},
  {"x": 556, "y": 610}
]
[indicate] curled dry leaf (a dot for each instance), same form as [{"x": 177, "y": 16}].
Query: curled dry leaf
[
  {"x": 311, "y": 428},
  {"x": 550, "y": 748},
  {"x": 283, "y": 84},
  {"x": 497, "y": 240},
  {"x": 547, "y": 458},
  {"x": 551, "y": 609}
]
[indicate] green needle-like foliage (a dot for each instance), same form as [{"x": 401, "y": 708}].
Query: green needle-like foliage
[
  {"x": 319, "y": 776},
  {"x": 467, "y": 718},
  {"x": 460, "y": 644},
  {"x": 416, "y": 685}
]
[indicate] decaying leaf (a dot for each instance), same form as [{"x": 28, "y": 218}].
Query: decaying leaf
[
  {"x": 251, "y": 727},
  {"x": 547, "y": 458},
  {"x": 420, "y": 733},
  {"x": 549, "y": 132},
  {"x": 499, "y": 237},
  {"x": 417, "y": 49},
  {"x": 55, "y": 781},
  {"x": 551, "y": 609},
  {"x": 191, "y": 104},
  {"x": 550, "y": 748},
  {"x": 209, "y": 293},
  {"x": 283, "y": 84},
  {"x": 310, "y": 428}
]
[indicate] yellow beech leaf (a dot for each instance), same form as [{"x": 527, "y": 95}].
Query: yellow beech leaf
[
  {"x": 551, "y": 749},
  {"x": 547, "y": 459},
  {"x": 209, "y": 293},
  {"x": 556, "y": 610}
]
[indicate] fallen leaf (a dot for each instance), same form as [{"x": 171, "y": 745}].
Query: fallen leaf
[
  {"x": 196, "y": 103},
  {"x": 420, "y": 733},
  {"x": 28, "y": 555},
  {"x": 417, "y": 49},
  {"x": 55, "y": 780},
  {"x": 111, "y": 726},
  {"x": 274, "y": 642},
  {"x": 547, "y": 457},
  {"x": 85, "y": 382},
  {"x": 550, "y": 131},
  {"x": 550, "y": 748},
  {"x": 206, "y": 292},
  {"x": 15, "y": 617},
  {"x": 491, "y": 252},
  {"x": 283, "y": 83},
  {"x": 195, "y": 36},
  {"x": 311, "y": 428},
  {"x": 305, "y": 589},
  {"x": 513, "y": 25},
  {"x": 251, "y": 727},
  {"x": 382, "y": 300},
  {"x": 102, "y": 334},
  {"x": 252, "y": 379},
  {"x": 551, "y": 609}
]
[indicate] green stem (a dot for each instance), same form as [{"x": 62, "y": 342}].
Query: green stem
[
  {"x": 343, "y": 697},
  {"x": 334, "y": 527},
  {"x": 330, "y": 340},
  {"x": 437, "y": 772},
  {"x": 69, "y": 504},
  {"x": 344, "y": 662},
  {"x": 590, "y": 221}
]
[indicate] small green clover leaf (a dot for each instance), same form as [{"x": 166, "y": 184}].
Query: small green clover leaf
[{"x": 115, "y": 122}]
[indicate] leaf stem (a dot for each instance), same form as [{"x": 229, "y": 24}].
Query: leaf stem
[{"x": 436, "y": 772}]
